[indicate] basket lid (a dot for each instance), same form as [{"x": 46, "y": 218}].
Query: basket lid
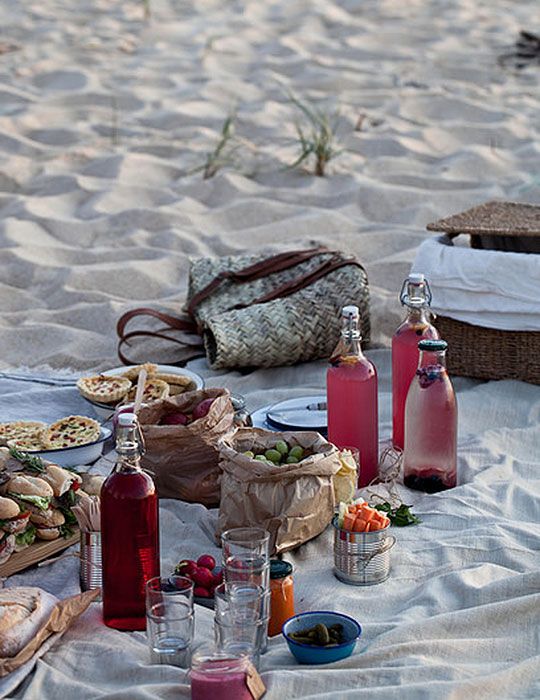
[{"x": 493, "y": 218}]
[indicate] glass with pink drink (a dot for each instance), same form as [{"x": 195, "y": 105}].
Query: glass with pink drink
[
  {"x": 416, "y": 296},
  {"x": 430, "y": 454},
  {"x": 351, "y": 387},
  {"x": 219, "y": 675}
]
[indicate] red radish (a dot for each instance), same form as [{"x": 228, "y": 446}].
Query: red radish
[
  {"x": 186, "y": 567},
  {"x": 174, "y": 419},
  {"x": 202, "y": 577},
  {"x": 218, "y": 578},
  {"x": 201, "y": 592},
  {"x": 202, "y": 408},
  {"x": 206, "y": 561}
]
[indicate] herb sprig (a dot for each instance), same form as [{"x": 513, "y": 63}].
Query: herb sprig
[
  {"x": 400, "y": 516},
  {"x": 31, "y": 462}
]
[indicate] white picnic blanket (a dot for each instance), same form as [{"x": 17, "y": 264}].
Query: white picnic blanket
[
  {"x": 458, "y": 618},
  {"x": 488, "y": 288}
]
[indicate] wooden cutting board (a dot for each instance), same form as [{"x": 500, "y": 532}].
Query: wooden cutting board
[{"x": 39, "y": 551}]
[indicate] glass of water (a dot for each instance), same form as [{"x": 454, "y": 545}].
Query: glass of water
[{"x": 170, "y": 620}]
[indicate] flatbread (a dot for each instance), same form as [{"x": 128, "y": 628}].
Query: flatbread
[
  {"x": 23, "y": 610},
  {"x": 72, "y": 431},
  {"x": 133, "y": 372},
  {"x": 103, "y": 388}
]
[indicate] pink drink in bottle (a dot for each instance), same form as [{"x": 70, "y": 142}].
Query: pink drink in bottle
[
  {"x": 351, "y": 386},
  {"x": 129, "y": 532},
  {"x": 430, "y": 454},
  {"x": 416, "y": 296}
]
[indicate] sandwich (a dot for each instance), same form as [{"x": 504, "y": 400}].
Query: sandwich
[
  {"x": 7, "y": 546},
  {"x": 12, "y": 519},
  {"x": 60, "y": 480},
  {"x": 49, "y": 524},
  {"x": 30, "y": 492}
]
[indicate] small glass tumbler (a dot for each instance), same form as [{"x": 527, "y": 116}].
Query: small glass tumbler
[
  {"x": 219, "y": 675},
  {"x": 246, "y": 555},
  {"x": 170, "y": 620},
  {"x": 244, "y": 600}
]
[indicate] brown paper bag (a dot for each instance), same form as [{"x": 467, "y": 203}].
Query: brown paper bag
[
  {"x": 63, "y": 614},
  {"x": 184, "y": 459},
  {"x": 294, "y": 502}
]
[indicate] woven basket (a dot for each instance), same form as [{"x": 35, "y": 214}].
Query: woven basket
[{"x": 488, "y": 353}]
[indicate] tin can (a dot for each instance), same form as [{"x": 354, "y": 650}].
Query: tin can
[
  {"x": 90, "y": 561},
  {"x": 362, "y": 558}
]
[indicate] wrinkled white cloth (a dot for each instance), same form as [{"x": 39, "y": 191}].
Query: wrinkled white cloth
[
  {"x": 458, "y": 618},
  {"x": 487, "y": 288}
]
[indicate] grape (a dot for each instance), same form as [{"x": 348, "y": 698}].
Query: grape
[
  {"x": 282, "y": 447},
  {"x": 273, "y": 456},
  {"x": 297, "y": 452}
]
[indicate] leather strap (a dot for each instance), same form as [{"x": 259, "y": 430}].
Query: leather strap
[{"x": 263, "y": 268}]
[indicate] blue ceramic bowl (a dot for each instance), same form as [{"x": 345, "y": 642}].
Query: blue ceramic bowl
[{"x": 312, "y": 654}]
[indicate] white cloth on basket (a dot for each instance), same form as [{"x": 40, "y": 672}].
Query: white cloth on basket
[{"x": 488, "y": 288}]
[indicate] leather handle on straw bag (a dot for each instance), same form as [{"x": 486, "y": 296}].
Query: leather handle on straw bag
[
  {"x": 263, "y": 268},
  {"x": 171, "y": 323}
]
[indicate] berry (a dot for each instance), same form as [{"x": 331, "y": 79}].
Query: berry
[
  {"x": 202, "y": 577},
  {"x": 207, "y": 562}
]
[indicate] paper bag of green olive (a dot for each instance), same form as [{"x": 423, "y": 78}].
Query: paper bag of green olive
[{"x": 279, "y": 481}]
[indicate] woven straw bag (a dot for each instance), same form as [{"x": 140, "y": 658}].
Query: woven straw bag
[{"x": 254, "y": 311}]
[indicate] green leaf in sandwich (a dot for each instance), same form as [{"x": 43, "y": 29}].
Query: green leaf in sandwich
[
  {"x": 30, "y": 490},
  {"x": 25, "y": 539}
]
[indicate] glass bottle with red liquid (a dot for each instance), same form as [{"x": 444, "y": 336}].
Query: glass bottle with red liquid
[
  {"x": 430, "y": 454},
  {"x": 129, "y": 531},
  {"x": 416, "y": 296},
  {"x": 351, "y": 388}
]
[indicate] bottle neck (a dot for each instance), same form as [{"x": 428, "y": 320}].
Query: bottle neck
[
  {"x": 349, "y": 346},
  {"x": 128, "y": 448},
  {"x": 420, "y": 314},
  {"x": 432, "y": 359},
  {"x": 416, "y": 296}
]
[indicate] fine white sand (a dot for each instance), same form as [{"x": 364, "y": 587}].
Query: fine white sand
[{"x": 104, "y": 116}]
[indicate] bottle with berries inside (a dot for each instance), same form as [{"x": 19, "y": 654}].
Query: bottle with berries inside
[
  {"x": 351, "y": 387},
  {"x": 129, "y": 531},
  {"x": 430, "y": 454},
  {"x": 416, "y": 296}
]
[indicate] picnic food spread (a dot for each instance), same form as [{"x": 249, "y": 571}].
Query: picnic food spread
[{"x": 254, "y": 592}]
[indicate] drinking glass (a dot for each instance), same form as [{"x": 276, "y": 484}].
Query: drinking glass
[
  {"x": 246, "y": 555},
  {"x": 242, "y": 600},
  {"x": 219, "y": 675},
  {"x": 169, "y": 615}
]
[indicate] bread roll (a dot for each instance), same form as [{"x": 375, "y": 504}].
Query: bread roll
[
  {"x": 7, "y": 547},
  {"x": 48, "y": 533},
  {"x": 48, "y": 518},
  {"x": 8, "y": 508},
  {"x": 22, "y": 612},
  {"x": 30, "y": 486},
  {"x": 59, "y": 479}
]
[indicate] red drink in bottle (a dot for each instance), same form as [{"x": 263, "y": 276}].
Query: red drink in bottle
[
  {"x": 416, "y": 296},
  {"x": 129, "y": 532},
  {"x": 430, "y": 454},
  {"x": 351, "y": 387}
]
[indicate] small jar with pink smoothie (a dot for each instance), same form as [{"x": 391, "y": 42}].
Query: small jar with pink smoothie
[{"x": 219, "y": 675}]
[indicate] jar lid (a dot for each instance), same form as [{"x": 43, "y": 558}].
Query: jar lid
[
  {"x": 433, "y": 345},
  {"x": 279, "y": 568}
]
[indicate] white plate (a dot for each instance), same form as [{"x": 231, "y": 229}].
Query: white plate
[
  {"x": 105, "y": 412},
  {"x": 294, "y": 414},
  {"x": 78, "y": 454}
]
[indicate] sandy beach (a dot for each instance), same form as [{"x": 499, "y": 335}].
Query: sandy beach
[{"x": 107, "y": 117}]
